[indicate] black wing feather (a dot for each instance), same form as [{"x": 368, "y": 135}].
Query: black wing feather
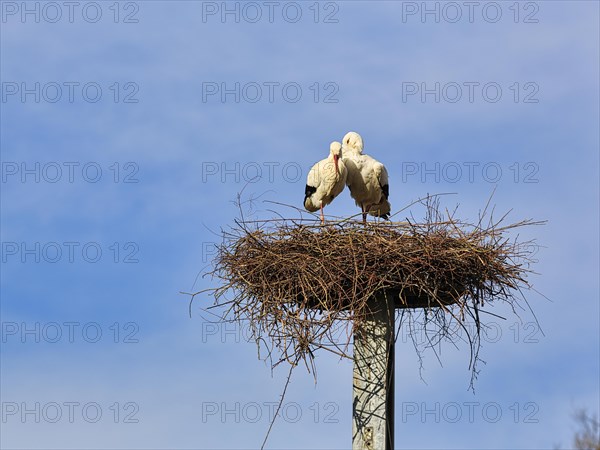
[
  {"x": 308, "y": 191},
  {"x": 386, "y": 191}
]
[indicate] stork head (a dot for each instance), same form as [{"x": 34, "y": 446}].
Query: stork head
[
  {"x": 335, "y": 150},
  {"x": 354, "y": 141}
]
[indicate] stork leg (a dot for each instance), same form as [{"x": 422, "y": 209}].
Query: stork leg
[
  {"x": 322, "y": 216},
  {"x": 364, "y": 214}
]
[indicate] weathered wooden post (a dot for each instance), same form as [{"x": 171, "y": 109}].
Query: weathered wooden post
[{"x": 373, "y": 380}]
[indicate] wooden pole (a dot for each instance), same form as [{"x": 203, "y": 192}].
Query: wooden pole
[{"x": 373, "y": 381}]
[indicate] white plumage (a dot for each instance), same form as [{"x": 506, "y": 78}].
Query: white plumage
[
  {"x": 367, "y": 178},
  {"x": 325, "y": 181}
]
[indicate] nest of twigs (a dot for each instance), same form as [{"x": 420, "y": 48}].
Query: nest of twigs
[{"x": 302, "y": 286}]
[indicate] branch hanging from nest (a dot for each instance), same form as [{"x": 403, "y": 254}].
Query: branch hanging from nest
[{"x": 302, "y": 287}]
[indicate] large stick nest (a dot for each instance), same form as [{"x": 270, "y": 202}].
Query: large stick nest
[{"x": 294, "y": 282}]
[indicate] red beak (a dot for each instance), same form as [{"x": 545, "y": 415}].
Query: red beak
[{"x": 335, "y": 161}]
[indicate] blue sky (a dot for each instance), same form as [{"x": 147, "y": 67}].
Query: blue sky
[{"x": 163, "y": 380}]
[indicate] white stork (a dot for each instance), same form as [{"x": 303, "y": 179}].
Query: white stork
[
  {"x": 367, "y": 178},
  {"x": 325, "y": 181}
]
